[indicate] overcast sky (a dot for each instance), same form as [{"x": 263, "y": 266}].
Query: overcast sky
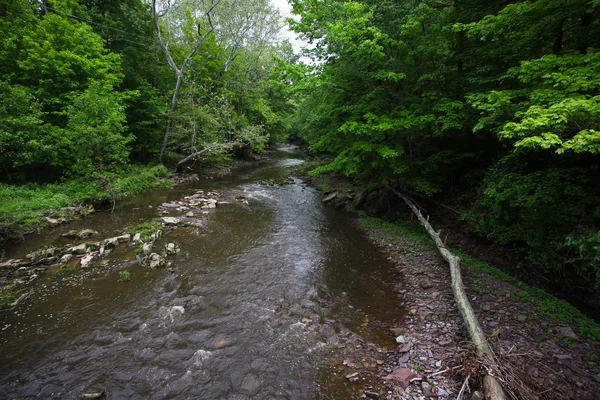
[{"x": 286, "y": 11}]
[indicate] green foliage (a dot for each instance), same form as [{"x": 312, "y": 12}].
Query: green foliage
[
  {"x": 146, "y": 229},
  {"x": 25, "y": 205},
  {"x": 124, "y": 276}
]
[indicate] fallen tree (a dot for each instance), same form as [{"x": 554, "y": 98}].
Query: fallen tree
[{"x": 492, "y": 387}]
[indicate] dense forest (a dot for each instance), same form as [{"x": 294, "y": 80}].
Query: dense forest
[{"x": 491, "y": 106}]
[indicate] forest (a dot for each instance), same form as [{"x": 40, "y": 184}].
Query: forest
[{"x": 492, "y": 107}]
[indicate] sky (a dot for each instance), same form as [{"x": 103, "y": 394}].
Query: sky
[{"x": 286, "y": 11}]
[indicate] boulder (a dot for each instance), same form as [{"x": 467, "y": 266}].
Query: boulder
[
  {"x": 241, "y": 196},
  {"x": 137, "y": 237},
  {"x": 170, "y": 221}
]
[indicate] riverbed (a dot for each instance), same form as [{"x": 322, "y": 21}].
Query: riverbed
[{"x": 255, "y": 305}]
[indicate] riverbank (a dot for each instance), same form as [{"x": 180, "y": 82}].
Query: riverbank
[
  {"x": 33, "y": 207},
  {"x": 547, "y": 348}
]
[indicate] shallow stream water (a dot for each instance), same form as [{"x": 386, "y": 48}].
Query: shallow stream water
[{"x": 259, "y": 294}]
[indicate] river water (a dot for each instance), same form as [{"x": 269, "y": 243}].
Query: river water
[{"x": 258, "y": 299}]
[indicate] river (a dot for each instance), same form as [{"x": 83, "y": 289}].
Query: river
[{"x": 256, "y": 304}]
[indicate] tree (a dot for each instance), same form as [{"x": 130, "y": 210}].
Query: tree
[{"x": 179, "y": 71}]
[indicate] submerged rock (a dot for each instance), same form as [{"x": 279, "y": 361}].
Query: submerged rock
[
  {"x": 82, "y": 234},
  {"x": 95, "y": 391}
]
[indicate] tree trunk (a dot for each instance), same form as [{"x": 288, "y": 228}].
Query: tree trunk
[
  {"x": 492, "y": 387},
  {"x": 170, "y": 116}
]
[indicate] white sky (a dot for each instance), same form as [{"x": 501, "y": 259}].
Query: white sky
[{"x": 286, "y": 11}]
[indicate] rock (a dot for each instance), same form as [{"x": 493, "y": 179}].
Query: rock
[
  {"x": 172, "y": 248},
  {"x": 250, "y": 385},
  {"x": 442, "y": 393},
  {"x": 477, "y": 395},
  {"x": 86, "y": 260},
  {"x": 486, "y": 307},
  {"x": 154, "y": 261},
  {"x": 66, "y": 258},
  {"x": 427, "y": 390},
  {"x": 170, "y": 221},
  {"x": 397, "y": 331},
  {"x": 52, "y": 222},
  {"x": 86, "y": 233},
  {"x": 521, "y": 318},
  {"x": 359, "y": 200},
  {"x": 94, "y": 392},
  {"x": 371, "y": 394},
  {"x": 565, "y": 331},
  {"x": 377, "y": 203},
  {"x": 40, "y": 256},
  {"x": 79, "y": 249},
  {"x": 241, "y": 196},
  {"x": 82, "y": 234},
  {"x": 124, "y": 238},
  {"x": 425, "y": 283},
  {"x": 147, "y": 248},
  {"x": 532, "y": 371},
  {"x": 402, "y": 376},
  {"x": 400, "y": 339},
  {"x": 110, "y": 243},
  {"x": 189, "y": 214},
  {"x": 136, "y": 238},
  {"x": 329, "y": 197},
  {"x": 71, "y": 234}
]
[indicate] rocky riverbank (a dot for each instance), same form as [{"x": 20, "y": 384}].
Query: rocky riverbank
[{"x": 541, "y": 357}]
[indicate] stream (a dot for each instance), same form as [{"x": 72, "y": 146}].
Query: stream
[{"x": 255, "y": 305}]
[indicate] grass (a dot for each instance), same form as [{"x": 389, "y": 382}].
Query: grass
[
  {"x": 146, "y": 229},
  {"x": 544, "y": 303},
  {"x": 23, "y": 207}
]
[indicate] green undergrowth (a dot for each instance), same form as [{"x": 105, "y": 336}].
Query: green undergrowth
[
  {"x": 23, "y": 207},
  {"x": 544, "y": 303}
]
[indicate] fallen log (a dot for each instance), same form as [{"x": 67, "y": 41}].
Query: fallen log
[{"x": 491, "y": 385}]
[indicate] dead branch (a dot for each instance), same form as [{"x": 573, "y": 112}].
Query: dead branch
[{"x": 491, "y": 384}]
